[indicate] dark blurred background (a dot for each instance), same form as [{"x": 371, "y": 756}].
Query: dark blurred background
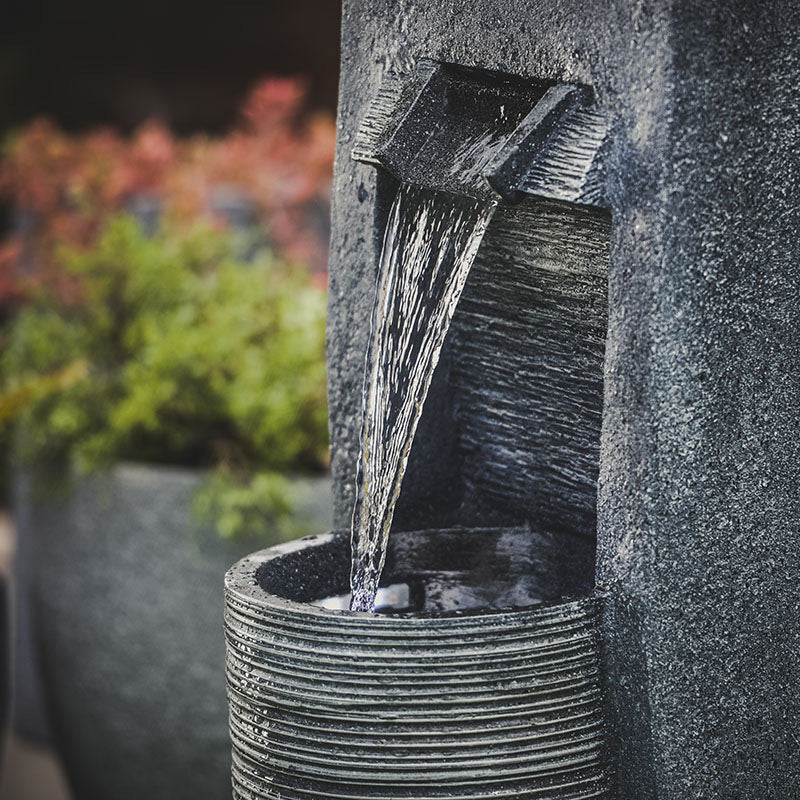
[
  {"x": 86, "y": 64},
  {"x": 92, "y": 62}
]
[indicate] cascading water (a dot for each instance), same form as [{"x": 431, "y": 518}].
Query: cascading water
[{"x": 430, "y": 242}]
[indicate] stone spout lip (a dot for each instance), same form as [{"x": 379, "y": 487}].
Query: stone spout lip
[
  {"x": 485, "y": 134},
  {"x": 476, "y": 683}
]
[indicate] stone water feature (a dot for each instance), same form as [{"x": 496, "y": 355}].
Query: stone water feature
[
  {"x": 618, "y": 386},
  {"x": 478, "y": 675}
]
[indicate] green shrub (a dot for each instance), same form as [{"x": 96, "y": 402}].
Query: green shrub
[{"x": 177, "y": 351}]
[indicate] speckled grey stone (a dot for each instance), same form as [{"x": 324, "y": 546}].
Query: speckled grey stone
[{"x": 698, "y": 527}]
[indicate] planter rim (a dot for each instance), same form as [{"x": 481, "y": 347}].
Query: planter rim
[
  {"x": 243, "y": 581},
  {"x": 133, "y": 465}
]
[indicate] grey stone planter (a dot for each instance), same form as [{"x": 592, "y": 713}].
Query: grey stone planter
[
  {"x": 465, "y": 687},
  {"x": 128, "y": 623}
]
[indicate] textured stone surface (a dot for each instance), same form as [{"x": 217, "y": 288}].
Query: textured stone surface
[
  {"x": 698, "y": 505},
  {"x": 526, "y": 354},
  {"x": 701, "y": 509}
]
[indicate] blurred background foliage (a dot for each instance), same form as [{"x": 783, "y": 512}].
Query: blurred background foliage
[
  {"x": 163, "y": 237},
  {"x": 163, "y": 299}
]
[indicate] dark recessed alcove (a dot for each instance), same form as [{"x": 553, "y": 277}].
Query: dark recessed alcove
[{"x": 511, "y": 431}]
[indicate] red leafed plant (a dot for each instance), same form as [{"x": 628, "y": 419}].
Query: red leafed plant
[{"x": 63, "y": 188}]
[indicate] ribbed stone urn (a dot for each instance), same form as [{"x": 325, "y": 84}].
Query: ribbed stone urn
[{"x": 472, "y": 681}]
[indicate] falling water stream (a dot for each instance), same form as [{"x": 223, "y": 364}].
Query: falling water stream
[{"x": 430, "y": 242}]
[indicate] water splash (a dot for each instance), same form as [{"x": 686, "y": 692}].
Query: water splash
[{"x": 430, "y": 242}]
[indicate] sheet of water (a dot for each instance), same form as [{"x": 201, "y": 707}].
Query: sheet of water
[{"x": 430, "y": 242}]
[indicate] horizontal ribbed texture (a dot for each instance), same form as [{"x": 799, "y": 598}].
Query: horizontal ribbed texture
[{"x": 334, "y": 704}]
